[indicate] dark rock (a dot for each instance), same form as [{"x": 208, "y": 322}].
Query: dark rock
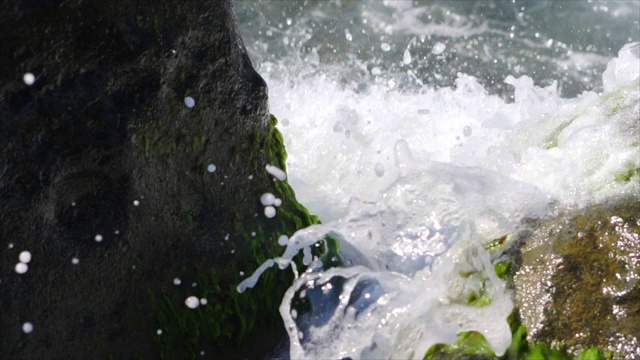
[
  {"x": 105, "y": 125},
  {"x": 579, "y": 283}
]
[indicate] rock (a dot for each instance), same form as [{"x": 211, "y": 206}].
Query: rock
[
  {"x": 579, "y": 283},
  {"x": 111, "y": 114}
]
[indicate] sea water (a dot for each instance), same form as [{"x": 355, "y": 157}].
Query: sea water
[{"x": 420, "y": 131}]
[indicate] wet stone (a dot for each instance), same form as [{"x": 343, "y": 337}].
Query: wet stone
[{"x": 579, "y": 283}]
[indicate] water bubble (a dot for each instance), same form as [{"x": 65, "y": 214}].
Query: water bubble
[
  {"x": 211, "y": 168},
  {"x": 406, "y": 58},
  {"x": 75, "y": 261},
  {"x": 438, "y": 48},
  {"x": 21, "y": 268},
  {"x": 192, "y": 302},
  {"x": 379, "y": 170},
  {"x": 27, "y": 327},
  {"x": 25, "y": 257},
  {"x": 348, "y": 35},
  {"x": 203, "y": 301},
  {"x": 29, "y": 78},
  {"x": 159, "y": 332},
  {"x": 467, "y": 131},
  {"x": 98, "y": 238},
  {"x": 277, "y": 202},
  {"x": 136, "y": 202},
  {"x": 177, "y": 281},
  {"x": 270, "y": 212},
  {"x": 376, "y": 71},
  {"x": 385, "y": 47},
  {"x": 189, "y": 101}
]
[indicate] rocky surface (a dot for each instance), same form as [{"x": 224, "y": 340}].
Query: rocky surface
[
  {"x": 579, "y": 283},
  {"x": 105, "y": 179}
]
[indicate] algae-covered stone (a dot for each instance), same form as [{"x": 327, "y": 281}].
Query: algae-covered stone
[
  {"x": 579, "y": 283},
  {"x": 134, "y": 137}
]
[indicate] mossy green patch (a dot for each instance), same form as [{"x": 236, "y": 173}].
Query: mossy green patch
[
  {"x": 625, "y": 176},
  {"x": 472, "y": 345},
  {"x": 229, "y": 318}
]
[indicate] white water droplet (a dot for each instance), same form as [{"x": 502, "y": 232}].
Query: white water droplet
[
  {"x": 29, "y": 78},
  {"x": 277, "y": 202},
  {"x": 159, "y": 332},
  {"x": 21, "y": 268},
  {"x": 203, "y": 301},
  {"x": 211, "y": 168},
  {"x": 270, "y": 212},
  {"x": 283, "y": 240},
  {"x": 136, "y": 202},
  {"x": 189, "y": 101},
  {"x": 385, "y": 47},
  {"x": 27, "y": 327},
  {"x": 438, "y": 48},
  {"x": 192, "y": 302},
  {"x": 98, "y": 238},
  {"x": 75, "y": 261},
  {"x": 406, "y": 58},
  {"x": 277, "y": 172},
  {"x": 348, "y": 35},
  {"x": 25, "y": 257},
  {"x": 177, "y": 281},
  {"x": 267, "y": 199}
]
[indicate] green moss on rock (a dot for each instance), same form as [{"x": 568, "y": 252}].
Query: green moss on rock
[{"x": 230, "y": 320}]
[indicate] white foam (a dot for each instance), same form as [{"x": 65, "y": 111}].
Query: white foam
[{"x": 412, "y": 184}]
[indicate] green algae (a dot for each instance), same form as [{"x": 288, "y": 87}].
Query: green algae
[
  {"x": 472, "y": 345},
  {"x": 230, "y": 319}
]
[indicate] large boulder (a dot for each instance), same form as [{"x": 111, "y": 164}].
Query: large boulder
[
  {"x": 579, "y": 282},
  {"x": 107, "y": 180}
]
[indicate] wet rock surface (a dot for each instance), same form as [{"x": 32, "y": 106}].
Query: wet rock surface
[
  {"x": 105, "y": 177},
  {"x": 579, "y": 283}
]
